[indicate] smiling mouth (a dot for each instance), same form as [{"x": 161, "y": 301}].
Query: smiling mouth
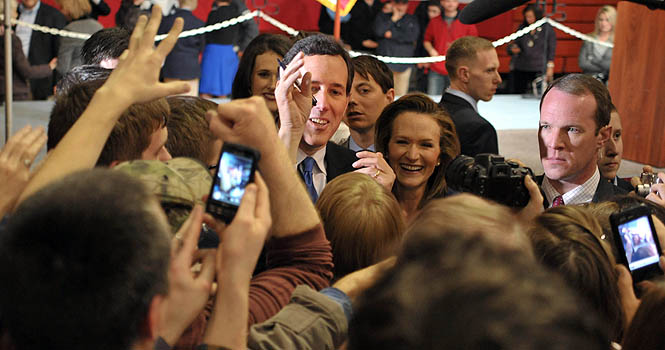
[
  {"x": 269, "y": 96},
  {"x": 318, "y": 121},
  {"x": 412, "y": 168}
]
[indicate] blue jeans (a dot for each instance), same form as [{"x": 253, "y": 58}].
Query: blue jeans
[{"x": 436, "y": 83}]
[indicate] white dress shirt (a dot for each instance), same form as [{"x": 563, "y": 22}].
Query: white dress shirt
[
  {"x": 25, "y": 33},
  {"x": 319, "y": 173}
]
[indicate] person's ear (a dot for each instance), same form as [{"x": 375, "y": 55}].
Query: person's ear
[
  {"x": 463, "y": 74},
  {"x": 390, "y": 95},
  {"x": 153, "y": 319}
]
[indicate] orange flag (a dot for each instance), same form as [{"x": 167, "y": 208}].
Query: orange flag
[{"x": 345, "y": 6}]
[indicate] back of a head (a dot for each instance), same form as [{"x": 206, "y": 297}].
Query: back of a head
[
  {"x": 78, "y": 75},
  {"x": 367, "y": 66},
  {"x": 579, "y": 84},
  {"x": 68, "y": 108},
  {"x": 90, "y": 252},
  {"x": 464, "y": 291},
  {"x": 189, "y": 134},
  {"x": 468, "y": 213},
  {"x": 106, "y": 44},
  {"x": 362, "y": 221},
  {"x": 463, "y": 50},
  {"x": 567, "y": 240},
  {"x": 321, "y": 44},
  {"x": 130, "y": 136}
]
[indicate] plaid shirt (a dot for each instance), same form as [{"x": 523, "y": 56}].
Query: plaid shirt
[{"x": 581, "y": 194}]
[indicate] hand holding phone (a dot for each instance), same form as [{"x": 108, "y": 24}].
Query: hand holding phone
[
  {"x": 635, "y": 238},
  {"x": 235, "y": 169}
]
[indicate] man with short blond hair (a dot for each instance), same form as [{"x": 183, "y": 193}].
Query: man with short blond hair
[{"x": 473, "y": 68}]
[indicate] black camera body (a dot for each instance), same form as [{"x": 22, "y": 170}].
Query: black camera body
[{"x": 490, "y": 176}]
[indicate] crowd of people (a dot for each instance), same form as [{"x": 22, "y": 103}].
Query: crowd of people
[{"x": 349, "y": 238}]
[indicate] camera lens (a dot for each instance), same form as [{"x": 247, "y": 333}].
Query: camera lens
[{"x": 457, "y": 172}]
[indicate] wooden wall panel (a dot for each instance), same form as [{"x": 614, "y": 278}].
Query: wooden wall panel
[{"x": 637, "y": 82}]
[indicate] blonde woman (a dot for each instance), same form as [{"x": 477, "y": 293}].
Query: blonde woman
[{"x": 595, "y": 58}]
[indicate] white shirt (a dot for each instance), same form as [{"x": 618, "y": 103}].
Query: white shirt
[
  {"x": 581, "y": 194},
  {"x": 319, "y": 171},
  {"x": 25, "y": 33},
  {"x": 466, "y": 97}
]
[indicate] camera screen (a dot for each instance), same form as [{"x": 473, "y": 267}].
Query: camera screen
[
  {"x": 232, "y": 177},
  {"x": 638, "y": 243}
]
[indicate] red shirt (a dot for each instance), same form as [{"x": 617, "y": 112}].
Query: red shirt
[{"x": 441, "y": 35}]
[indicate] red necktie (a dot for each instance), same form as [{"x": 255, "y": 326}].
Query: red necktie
[{"x": 558, "y": 200}]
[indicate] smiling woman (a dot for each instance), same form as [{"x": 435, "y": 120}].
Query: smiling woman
[
  {"x": 419, "y": 140},
  {"x": 257, "y": 71}
]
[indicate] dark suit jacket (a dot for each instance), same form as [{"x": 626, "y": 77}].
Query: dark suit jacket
[
  {"x": 183, "y": 61},
  {"x": 22, "y": 70},
  {"x": 604, "y": 192},
  {"x": 476, "y": 135},
  {"x": 43, "y": 47},
  {"x": 338, "y": 161}
]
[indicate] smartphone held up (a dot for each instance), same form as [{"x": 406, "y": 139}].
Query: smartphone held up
[
  {"x": 636, "y": 239},
  {"x": 235, "y": 170}
]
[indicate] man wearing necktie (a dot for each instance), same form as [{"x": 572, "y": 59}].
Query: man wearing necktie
[
  {"x": 323, "y": 69},
  {"x": 574, "y": 117}
]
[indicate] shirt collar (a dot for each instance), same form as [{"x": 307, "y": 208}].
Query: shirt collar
[
  {"x": 23, "y": 9},
  {"x": 466, "y": 97},
  {"x": 581, "y": 194},
  {"x": 356, "y": 148},
  {"x": 319, "y": 157}
]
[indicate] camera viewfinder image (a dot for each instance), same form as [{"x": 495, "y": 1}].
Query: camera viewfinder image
[
  {"x": 232, "y": 177},
  {"x": 638, "y": 242}
]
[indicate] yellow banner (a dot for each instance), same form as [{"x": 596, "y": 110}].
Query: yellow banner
[{"x": 345, "y": 6}]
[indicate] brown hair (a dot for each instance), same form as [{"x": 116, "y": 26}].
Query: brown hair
[
  {"x": 362, "y": 220},
  {"x": 132, "y": 133},
  {"x": 464, "y": 49},
  {"x": 647, "y": 329},
  {"x": 189, "y": 134},
  {"x": 567, "y": 239},
  {"x": 582, "y": 85},
  {"x": 75, "y": 9},
  {"x": 367, "y": 66},
  {"x": 448, "y": 141}
]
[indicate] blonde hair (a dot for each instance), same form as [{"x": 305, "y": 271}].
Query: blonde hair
[
  {"x": 75, "y": 9},
  {"x": 362, "y": 220},
  {"x": 611, "y": 13},
  {"x": 470, "y": 214}
]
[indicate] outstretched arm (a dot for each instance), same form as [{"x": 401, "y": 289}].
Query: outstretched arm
[{"x": 135, "y": 80}]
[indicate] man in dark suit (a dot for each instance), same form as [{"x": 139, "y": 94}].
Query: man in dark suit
[
  {"x": 473, "y": 68},
  {"x": 574, "y": 117},
  {"x": 42, "y": 47},
  {"x": 307, "y": 124}
]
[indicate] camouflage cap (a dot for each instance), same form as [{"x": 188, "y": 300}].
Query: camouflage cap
[{"x": 179, "y": 184}]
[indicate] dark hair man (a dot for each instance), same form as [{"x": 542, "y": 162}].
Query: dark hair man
[
  {"x": 307, "y": 128},
  {"x": 574, "y": 117},
  {"x": 96, "y": 271},
  {"x": 473, "y": 68},
  {"x": 371, "y": 91},
  {"x": 105, "y": 46},
  {"x": 78, "y": 75}
]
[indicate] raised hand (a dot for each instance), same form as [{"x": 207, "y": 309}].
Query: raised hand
[
  {"x": 188, "y": 293},
  {"x": 136, "y": 78},
  {"x": 16, "y": 158}
]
